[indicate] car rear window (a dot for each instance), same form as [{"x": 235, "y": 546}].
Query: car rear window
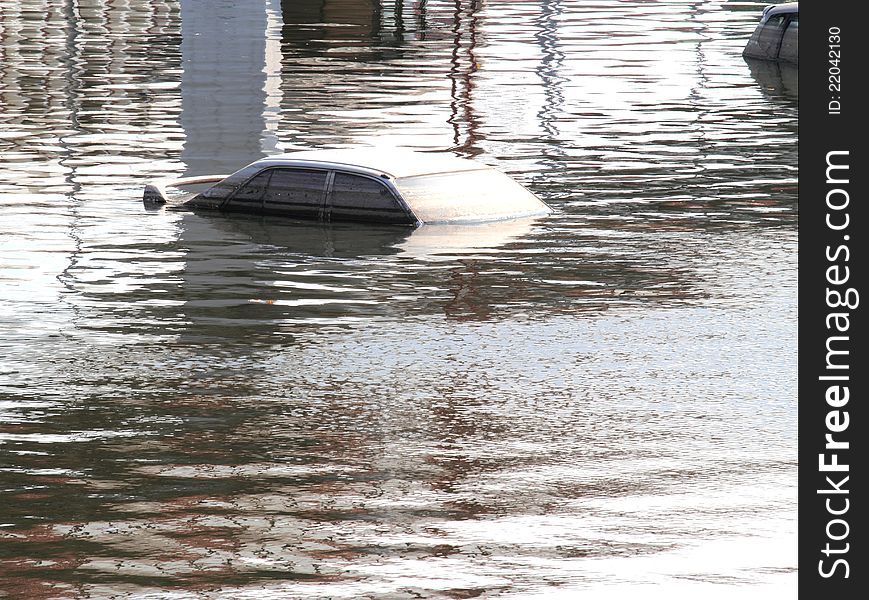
[
  {"x": 359, "y": 198},
  {"x": 467, "y": 196}
]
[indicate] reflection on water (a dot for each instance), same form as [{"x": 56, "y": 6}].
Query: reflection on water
[
  {"x": 778, "y": 80},
  {"x": 223, "y": 111},
  {"x": 596, "y": 403}
]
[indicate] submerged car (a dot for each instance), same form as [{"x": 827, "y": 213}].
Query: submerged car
[
  {"x": 775, "y": 37},
  {"x": 395, "y": 186}
]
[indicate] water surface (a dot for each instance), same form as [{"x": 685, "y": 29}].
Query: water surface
[{"x": 601, "y": 403}]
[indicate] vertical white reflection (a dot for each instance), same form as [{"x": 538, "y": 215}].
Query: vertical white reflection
[
  {"x": 223, "y": 83},
  {"x": 272, "y": 69}
]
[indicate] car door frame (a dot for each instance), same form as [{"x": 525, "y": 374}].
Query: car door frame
[
  {"x": 787, "y": 17},
  {"x": 327, "y": 186}
]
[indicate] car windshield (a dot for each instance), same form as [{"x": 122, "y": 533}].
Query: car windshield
[{"x": 479, "y": 195}]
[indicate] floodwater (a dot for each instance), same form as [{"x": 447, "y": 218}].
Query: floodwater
[{"x": 596, "y": 404}]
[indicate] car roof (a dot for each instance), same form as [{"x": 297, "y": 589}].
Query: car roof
[
  {"x": 395, "y": 163},
  {"x": 777, "y": 9}
]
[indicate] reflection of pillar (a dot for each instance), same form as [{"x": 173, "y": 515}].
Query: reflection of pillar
[
  {"x": 223, "y": 48},
  {"x": 230, "y": 88}
]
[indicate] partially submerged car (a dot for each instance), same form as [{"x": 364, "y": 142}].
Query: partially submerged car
[
  {"x": 775, "y": 37},
  {"x": 393, "y": 186}
]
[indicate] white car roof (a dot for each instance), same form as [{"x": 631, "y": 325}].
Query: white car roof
[{"x": 393, "y": 162}]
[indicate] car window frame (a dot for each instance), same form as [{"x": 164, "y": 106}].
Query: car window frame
[
  {"x": 226, "y": 201},
  {"x": 789, "y": 18},
  {"x": 383, "y": 181}
]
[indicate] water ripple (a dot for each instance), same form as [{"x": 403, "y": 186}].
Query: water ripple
[{"x": 596, "y": 403}]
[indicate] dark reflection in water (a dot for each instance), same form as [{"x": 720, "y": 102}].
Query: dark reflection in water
[
  {"x": 313, "y": 25},
  {"x": 778, "y": 80},
  {"x": 590, "y": 404}
]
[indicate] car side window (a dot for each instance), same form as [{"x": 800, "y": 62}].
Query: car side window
[
  {"x": 296, "y": 193},
  {"x": 359, "y": 198},
  {"x": 249, "y": 197},
  {"x": 775, "y": 22},
  {"x": 789, "y": 45}
]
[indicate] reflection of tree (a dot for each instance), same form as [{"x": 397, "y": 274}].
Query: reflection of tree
[
  {"x": 465, "y": 303},
  {"x": 546, "y": 36},
  {"x": 465, "y": 25}
]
